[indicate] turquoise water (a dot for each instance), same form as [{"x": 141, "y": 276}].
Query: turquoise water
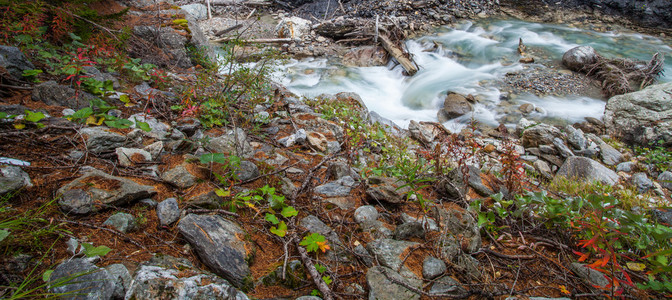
[{"x": 469, "y": 58}]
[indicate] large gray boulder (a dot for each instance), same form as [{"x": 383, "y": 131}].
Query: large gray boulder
[
  {"x": 79, "y": 279},
  {"x": 100, "y": 139},
  {"x": 14, "y": 61},
  {"x": 96, "y": 190},
  {"x": 577, "y": 58},
  {"x": 540, "y": 134},
  {"x": 164, "y": 278},
  {"x": 219, "y": 245},
  {"x": 381, "y": 288},
  {"x": 52, "y": 93},
  {"x": 641, "y": 117},
  {"x": 586, "y": 169}
]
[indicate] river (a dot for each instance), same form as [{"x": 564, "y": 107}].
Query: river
[{"x": 470, "y": 58}]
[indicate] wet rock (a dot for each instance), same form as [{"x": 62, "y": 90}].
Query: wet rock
[
  {"x": 540, "y": 134},
  {"x": 13, "y": 178},
  {"x": 365, "y": 56},
  {"x": 91, "y": 282},
  {"x": 52, "y": 93},
  {"x": 366, "y": 213},
  {"x": 409, "y": 230},
  {"x": 122, "y": 279},
  {"x": 642, "y": 182},
  {"x": 219, "y": 246},
  {"x": 526, "y": 60},
  {"x": 246, "y": 171},
  {"x": 233, "y": 142},
  {"x": 433, "y": 267},
  {"x": 386, "y": 189},
  {"x": 526, "y": 108},
  {"x": 338, "y": 188},
  {"x": 122, "y": 222},
  {"x": 593, "y": 277},
  {"x": 293, "y": 27},
  {"x": 586, "y": 169},
  {"x": 641, "y": 117},
  {"x": 168, "y": 211},
  {"x": 99, "y": 140},
  {"x": 577, "y": 58},
  {"x": 665, "y": 180},
  {"x": 171, "y": 278},
  {"x": 128, "y": 157},
  {"x": 455, "y": 105},
  {"x": 610, "y": 156},
  {"x": 381, "y": 288},
  {"x": 14, "y": 61},
  {"x": 103, "y": 190},
  {"x": 179, "y": 176}
]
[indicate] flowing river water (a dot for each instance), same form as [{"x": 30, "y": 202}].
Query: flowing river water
[{"x": 470, "y": 58}]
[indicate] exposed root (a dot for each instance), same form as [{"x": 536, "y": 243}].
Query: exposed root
[{"x": 620, "y": 76}]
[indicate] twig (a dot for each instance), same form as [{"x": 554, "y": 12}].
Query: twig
[
  {"x": 317, "y": 279},
  {"x": 310, "y": 175},
  {"x": 204, "y": 211},
  {"x": 227, "y": 30},
  {"x": 506, "y": 256},
  {"x": 15, "y": 87},
  {"x": 269, "y": 174},
  {"x": 115, "y": 232}
]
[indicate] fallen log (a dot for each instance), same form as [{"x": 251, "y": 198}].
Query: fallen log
[
  {"x": 253, "y": 41},
  {"x": 398, "y": 54},
  {"x": 227, "y": 30}
]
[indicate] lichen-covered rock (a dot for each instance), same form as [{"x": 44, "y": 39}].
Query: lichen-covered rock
[
  {"x": 14, "y": 61},
  {"x": 121, "y": 221},
  {"x": 52, "y": 93},
  {"x": 179, "y": 176},
  {"x": 81, "y": 280},
  {"x": 168, "y": 211},
  {"x": 220, "y": 245},
  {"x": 583, "y": 168},
  {"x": 454, "y": 105},
  {"x": 13, "y": 178},
  {"x": 381, "y": 288},
  {"x": 540, "y": 134},
  {"x": 387, "y": 189},
  {"x": 97, "y": 189}
]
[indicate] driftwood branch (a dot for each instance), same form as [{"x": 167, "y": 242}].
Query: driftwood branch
[
  {"x": 310, "y": 267},
  {"x": 399, "y": 55},
  {"x": 253, "y": 41},
  {"x": 227, "y": 30}
]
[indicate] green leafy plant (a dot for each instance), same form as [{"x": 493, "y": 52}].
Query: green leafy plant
[
  {"x": 275, "y": 207},
  {"x": 315, "y": 242}
]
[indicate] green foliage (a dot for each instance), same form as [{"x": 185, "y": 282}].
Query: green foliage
[
  {"x": 272, "y": 203},
  {"x": 91, "y": 251},
  {"x": 656, "y": 155},
  {"x": 314, "y": 242}
]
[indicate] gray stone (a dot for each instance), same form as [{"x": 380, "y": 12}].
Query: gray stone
[
  {"x": 315, "y": 225},
  {"x": 14, "y": 61},
  {"x": 381, "y": 288},
  {"x": 340, "y": 168},
  {"x": 122, "y": 222},
  {"x": 421, "y": 132},
  {"x": 665, "y": 180},
  {"x": 409, "y": 230},
  {"x": 168, "y": 211},
  {"x": 610, "y": 156},
  {"x": 576, "y": 138},
  {"x": 432, "y": 267},
  {"x": 543, "y": 168},
  {"x": 308, "y": 298},
  {"x": 562, "y": 148},
  {"x": 628, "y": 167},
  {"x": 363, "y": 255},
  {"x": 13, "y": 178},
  {"x": 128, "y": 157},
  {"x": 365, "y": 56},
  {"x": 97, "y": 187},
  {"x": 454, "y": 105},
  {"x": 387, "y": 189},
  {"x": 662, "y": 215},
  {"x": 218, "y": 243},
  {"x": 455, "y": 187},
  {"x": 389, "y": 252},
  {"x": 586, "y": 169},
  {"x": 208, "y": 199},
  {"x": 96, "y": 74},
  {"x": 233, "y": 142},
  {"x": 427, "y": 223},
  {"x": 246, "y": 170},
  {"x": 376, "y": 229},
  {"x": 338, "y": 188},
  {"x": 52, "y": 93},
  {"x": 100, "y": 140},
  {"x": 577, "y": 58},
  {"x": 197, "y": 10},
  {"x": 641, "y": 117},
  {"x": 540, "y": 134},
  {"x": 122, "y": 279},
  {"x": 365, "y": 213},
  {"x": 447, "y": 287},
  {"x": 165, "y": 278},
  {"x": 460, "y": 225},
  {"x": 179, "y": 176},
  {"x": 82, "y": 280},
  {"x": 642, "y": 182},
  {"x": 593, "y": 277}
]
